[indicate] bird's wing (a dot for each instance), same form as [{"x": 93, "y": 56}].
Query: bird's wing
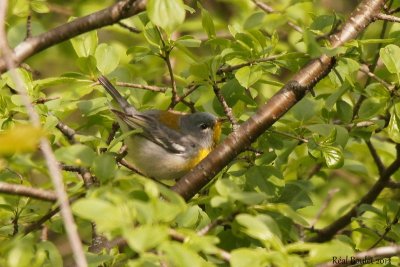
[{"x": 169, "y": 139}]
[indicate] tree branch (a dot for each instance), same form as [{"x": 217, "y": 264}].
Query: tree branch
[
  {"x": 386, "y": 17},
  {"x": 21, "y": 190},
  {"x": 108, "y": 16},
  {"x": 277, "y": 106},
  {"x": 328, "y": 232},
  {"x": 51, "y": 162}
]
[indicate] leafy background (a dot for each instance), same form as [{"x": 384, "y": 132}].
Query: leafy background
[{"x": 311, "y": 167}]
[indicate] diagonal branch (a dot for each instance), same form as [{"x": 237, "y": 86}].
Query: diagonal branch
[
  {"x": 328, "y": 232},
  {"x": 108, "y": 16},
  {"x": 277, "y": 106}
]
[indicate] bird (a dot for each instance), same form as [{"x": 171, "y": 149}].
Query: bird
[{"x": 165, "y": 144}]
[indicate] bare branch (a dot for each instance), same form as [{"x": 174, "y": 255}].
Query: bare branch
[
  {"x": 252, "y": 62},
  {"x": 108, "y": 16},
  {"x": 386, "y": 17},
  {"x": 328, "y": 232},
  {"x": 142, "y": 86},
  {"x": 68, "y": 132},
  {"x": 365, "y": 69},
  {"x": 227, "y": 109},
  {"x": 55, "y": 173},
  {"x": 129, "y": 28},
  {"x": 375, "y": 156},
  {"x": 388, "y": 228},
  {"x": 268, "y": 9},
  {"x": 21, "y": 190},
  {"x": 324, "y": 205}
]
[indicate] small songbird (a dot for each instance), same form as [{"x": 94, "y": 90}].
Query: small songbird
[{"x": 168, "y": 144}]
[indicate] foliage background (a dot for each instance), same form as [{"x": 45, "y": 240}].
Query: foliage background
[{"x": 315, "y": 164}]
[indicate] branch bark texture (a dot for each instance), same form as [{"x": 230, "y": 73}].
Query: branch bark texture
[
  {"x": 113, "y": 14},
  {"x": 277, "y": 106}
]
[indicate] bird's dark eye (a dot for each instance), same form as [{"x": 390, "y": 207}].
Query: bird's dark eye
[{"x": 204, "y": 126}]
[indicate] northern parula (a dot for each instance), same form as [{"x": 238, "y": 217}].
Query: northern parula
[{"x": 169, "y": 144}]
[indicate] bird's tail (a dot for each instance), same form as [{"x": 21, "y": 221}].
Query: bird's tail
[{"x": 125, "y": 106}]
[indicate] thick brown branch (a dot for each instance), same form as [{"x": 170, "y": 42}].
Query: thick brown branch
[
  {"x": 277, "y": 106},
  {"x": 120, "y": 10},
  {"x": 21, "y": 190}
]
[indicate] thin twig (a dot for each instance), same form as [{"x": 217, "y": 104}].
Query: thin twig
[
  {"x": 249, "y": 63},
  {"x": 28, "y": 26},
  {"x": 21, "y": 190},
  {"x": 175, "y": 97},
  {"x": 328, "y": 232},
  {"x": 387, "y": 17},
  {"x": 45, "y": 146},
  {"x": 68, "y": 132},
  {"x": 374, "y": 64},
  {"x": 181, "y": 98},
  {"x": 227, "y": 109},
  {"x": 87, "y": 177},
  {"x": 37, "y": 224},
  {"x": 324, "y": 205},
  {"x": 388, "y": 228},
  {"x": 303, "y": 140},
  {"x": 142, "y": 86},
  {"x": 393, "y": 184},
  {"x": 268, "y": 9},
  {"x": 375, "y": 156},
  {"x": 111, "y": 135},
  {"x": 129, "y": 28},
  {"x": 364, "y": 68},
  {"x": 395, "y": 10}
]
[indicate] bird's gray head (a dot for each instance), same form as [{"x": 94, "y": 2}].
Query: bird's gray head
[{"x": 204, "y": 127}]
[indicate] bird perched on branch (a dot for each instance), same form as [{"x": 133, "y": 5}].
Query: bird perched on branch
[{"x": 167, "y": 144}]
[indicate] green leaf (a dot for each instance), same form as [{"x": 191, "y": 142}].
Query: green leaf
[
  {"x": 207, "y": 23},
  {"x": 328, "y": 251},
  {"x": 390, "y": 55},
  {"x": 85, "y": 44},
  {"x": 344, "y": 111},
  {"x": 107, "y": 58},
  {"x": 371, "y": 107},
  {"x": 39, "y": 6},
  {"x": 261, "y": 227},
  {"x": 146, "y": 237},
  {"x": 394, "y": 125},
  {"x": 106, "y": 215},
  {"x": 87, "y": 65},
  {"x": 52, "y": 253},
  {"x": 76, "y": 155},
  {"x": 104, "y": 167},
  {"x": 168, "y": 14},
  {"x": 180, "y": 255},
  {"x": 255, "y": 20},
  {"x": 188, "y": 41},
  {"x": 333, "y": 156},
  {"x": 249, "y": 75},
  {"x": 245, "y": 257},
  {"x": 20, "y": 139}
]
